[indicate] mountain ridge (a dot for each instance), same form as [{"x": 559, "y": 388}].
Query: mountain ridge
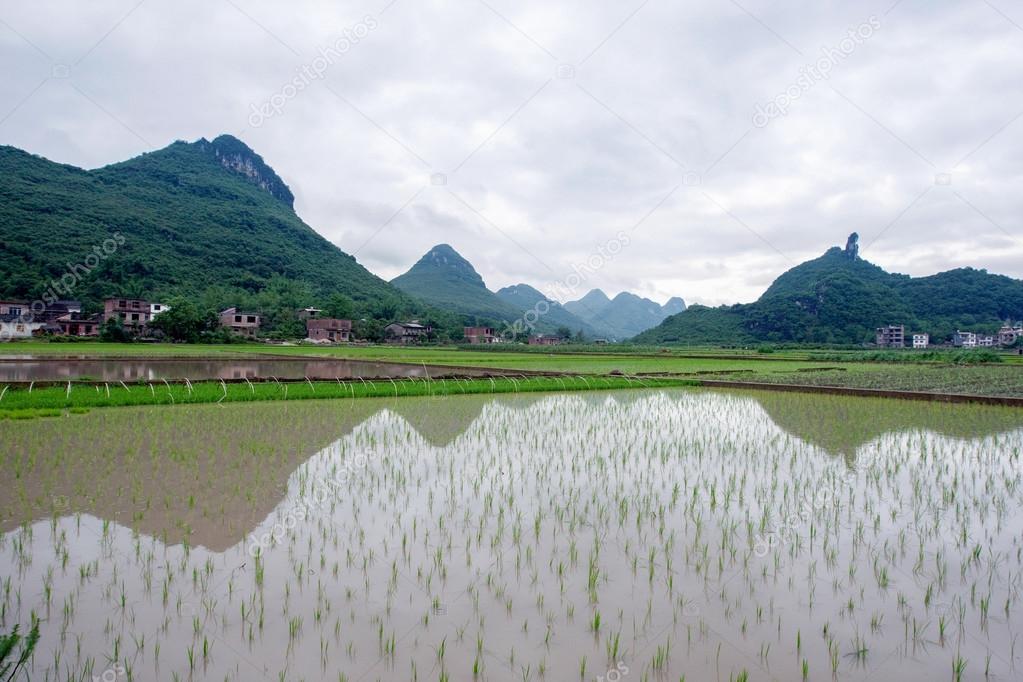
[
  {"x": 841, "y": 298},
  {"x": 204, "y": 218}
]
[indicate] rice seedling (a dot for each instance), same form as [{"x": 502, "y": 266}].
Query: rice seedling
[{"x": 509, "y": 536}]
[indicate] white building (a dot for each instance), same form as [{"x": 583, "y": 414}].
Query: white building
[
  {"x": 965, "y": 339},
  {"x": 15, "y": 327},
  {"x": 1007, "y": 335},
  {"x": 157, "y": 308},
  {"x": 921, "y": 340},
  {"x": 986, "y": 341}
]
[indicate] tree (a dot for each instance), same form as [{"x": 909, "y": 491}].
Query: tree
[
  {"x": 183, "y": 321},
  {"x": 112, "y": 330},
  {"x": 564, "y": 333},
  {"x": 369, "y": 330},
  {"x": 339, "y": 306}
]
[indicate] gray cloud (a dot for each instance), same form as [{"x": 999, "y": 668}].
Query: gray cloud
[{"x": 559, "y": 124}]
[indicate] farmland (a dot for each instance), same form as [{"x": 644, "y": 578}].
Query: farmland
[{"x": 641, "y": 534}]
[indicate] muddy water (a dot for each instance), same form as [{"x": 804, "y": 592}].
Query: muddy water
[
  {"x": 156, "y": 369},
  {"x": 559, "y": 537}
]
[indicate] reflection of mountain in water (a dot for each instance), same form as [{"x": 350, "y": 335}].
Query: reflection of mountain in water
[
  {"x": 194, "y": 465},
  {"x": 209, "y": 474},
  {"x": 842, "y": 424}
]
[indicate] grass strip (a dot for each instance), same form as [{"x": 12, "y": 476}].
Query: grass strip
[{"x": 23, "y": 403}]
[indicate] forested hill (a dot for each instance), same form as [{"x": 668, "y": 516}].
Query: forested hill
[
  {"x": 208, "y": 217},
  {"x": 842, "y": 298}
]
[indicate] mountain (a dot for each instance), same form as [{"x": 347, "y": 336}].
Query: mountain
[
  {"x": 674, "y": 306},
  {"x": 443, "y": 278},
  {"x": 525, "y": 297},
  {"x": 206, "y": 218},
  {"x": 590, "y": 305},
  {"x": 624, "y": 316},
  {"x": 841, "y": 298}
]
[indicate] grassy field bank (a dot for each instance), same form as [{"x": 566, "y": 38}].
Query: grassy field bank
[{"x": 23, "y": 403}]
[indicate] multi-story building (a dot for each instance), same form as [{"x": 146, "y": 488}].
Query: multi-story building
[
  {"x": 326, "y": 329},
  {"x": 480, "y": 335},
  {"x": 892, "y": 336},
  {"x": 921, "y": 340},
  {"x": 985, "y": 341},
  {"x": 134, "y": 313},
  {"x": 1008, "y": 335},
  {"x": 963, "y": 339},
  {"x": 157, "y": 308},
  {"x": 243, "y": 324}
]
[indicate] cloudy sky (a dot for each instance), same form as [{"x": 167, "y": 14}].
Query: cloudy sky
[{"x": 710, "y": 144}]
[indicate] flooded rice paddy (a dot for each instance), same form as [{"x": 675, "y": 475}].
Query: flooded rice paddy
[
  {"x": 177, "y": 369},
  {"x": 636, "y": 535}
]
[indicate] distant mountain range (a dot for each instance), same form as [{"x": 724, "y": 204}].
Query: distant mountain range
[
  {"x": 446, "y": 280},
  {"x": 624, "y": 316},
  {"x": 212, "y": 221},
  {"x": 841, "y": 298}
]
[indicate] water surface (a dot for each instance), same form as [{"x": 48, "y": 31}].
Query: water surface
[
  {"x": 532, "y": 537},
  {"x": 177, "y": 369}
]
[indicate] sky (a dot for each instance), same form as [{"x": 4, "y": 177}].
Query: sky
[{"x": 695, "y": 149}]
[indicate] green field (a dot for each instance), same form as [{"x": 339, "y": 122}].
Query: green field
[{"x": 854, "y": 369}]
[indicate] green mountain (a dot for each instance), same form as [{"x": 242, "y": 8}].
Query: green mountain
[
  {"x": 625, "y": 315},
  {"x": 841, "y": 298},
  {"x": 525, "y": 297},
  {"x": 442, "y": 278},
  {"x": 209, "y": 219}
]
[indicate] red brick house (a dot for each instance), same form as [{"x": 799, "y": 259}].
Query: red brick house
[
  {"x": 76, "y": 324},
  {"x": 133, "y": 313},
  {"x": 477, "y": 335},
  {"x": 328, "y": 329},
  {"x": 243, "y": 324}
]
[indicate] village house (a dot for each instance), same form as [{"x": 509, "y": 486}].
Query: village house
[
  {"x": 963, "y": 339},
  {"x": 985, "y": 341},
  {"x": 326, "y": 329},
  {"x": 921, "y": 340},
  {"x": 407, "y": 333},
  {"x": 892, "y": 336},
  {"x": 480, "y": 335},
  {"x": 134, "y": 313},
  {"x": 76, "y": 324},
  {"x": 544, "y": 340},
  {"x": 309, "y": 313},
  {"x": 243, "y": 324},
  {"x": 157, "y": 308},
  {"x": 17, "y": 326},
  {"x": 1008, "y": 335}
]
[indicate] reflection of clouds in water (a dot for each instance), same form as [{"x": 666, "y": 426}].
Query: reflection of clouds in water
[{"x": 527, "y": 509}]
